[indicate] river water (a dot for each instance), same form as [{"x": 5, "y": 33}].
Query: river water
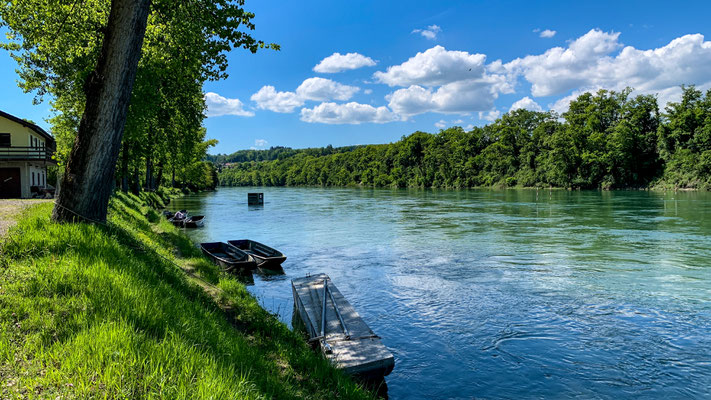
[{"x": 500, "y": 294}]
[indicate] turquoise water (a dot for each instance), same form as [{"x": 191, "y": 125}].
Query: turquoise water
[{"x": 500, "y": 294}]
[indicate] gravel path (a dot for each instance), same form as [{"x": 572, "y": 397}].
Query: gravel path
[{"x": 11, "y": 209}]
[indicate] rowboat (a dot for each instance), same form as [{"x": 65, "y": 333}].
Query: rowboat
[
  {"x": 194, "y": 221},
  {"x": 179, "y": 220},
  {"x": 227, "y": 256},
  {"x": 266, "y": 257},
  {"x": 333, "y": 324}
]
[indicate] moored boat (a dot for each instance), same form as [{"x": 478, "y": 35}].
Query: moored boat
[
  {"x": 178, "y": 218},
  {"x": 266, "y": 257},
  {"x": 194, "y": 221},
  {"x": 227, "y": 256}
]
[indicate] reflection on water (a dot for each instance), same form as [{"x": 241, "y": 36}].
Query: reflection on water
[{"x": 500, "y": 294}]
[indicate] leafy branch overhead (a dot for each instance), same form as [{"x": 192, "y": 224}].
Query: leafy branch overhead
[{"x": 57, "y": 44}]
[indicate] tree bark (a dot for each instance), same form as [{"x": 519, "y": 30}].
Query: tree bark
[
  {"x": 87, "y": 182},
  {"x": 159, "y": 178},
  {"x": 136, "y": 180}
]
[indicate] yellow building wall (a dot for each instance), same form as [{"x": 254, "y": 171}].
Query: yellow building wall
[{"x": 19, "y": 135}]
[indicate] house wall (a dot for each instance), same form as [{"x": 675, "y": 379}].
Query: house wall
[{"x": 21, "y": 136}]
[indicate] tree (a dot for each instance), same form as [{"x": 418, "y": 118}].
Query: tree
[
  {"x": 88, "y": 178},
  {"x": 183, "y": 47}
]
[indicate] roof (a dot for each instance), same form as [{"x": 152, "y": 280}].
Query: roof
[{"x": 30, "y": 125}]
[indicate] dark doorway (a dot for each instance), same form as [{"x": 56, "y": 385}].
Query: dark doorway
[{"x": 10, "y": 187}]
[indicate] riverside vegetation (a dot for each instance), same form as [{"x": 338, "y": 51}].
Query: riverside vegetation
[
  {"x": 606, "y": 140},
  {"x": 103, "y": 311}
]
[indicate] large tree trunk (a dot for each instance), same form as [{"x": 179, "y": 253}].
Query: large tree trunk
[
  {"x": 136, "y": 180},
  {"x": 87, "y": 182},
  {"x": 159, "y": 178}
]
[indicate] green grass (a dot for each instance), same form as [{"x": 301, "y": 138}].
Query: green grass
[{"x": 93, "y": 311}]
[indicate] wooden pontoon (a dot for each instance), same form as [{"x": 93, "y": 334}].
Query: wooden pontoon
[
  {"x": 227, "y": 256},
  {"x": 266, "y": 257},
  {"x": 344, "y": 338}
]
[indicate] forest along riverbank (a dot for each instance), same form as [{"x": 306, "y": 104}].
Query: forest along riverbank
[
  {"x": 499, "y": 293},
  {"x": 107, "y": 311}
]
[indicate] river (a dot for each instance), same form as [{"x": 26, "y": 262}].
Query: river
[{"x": 500, "y": 294}]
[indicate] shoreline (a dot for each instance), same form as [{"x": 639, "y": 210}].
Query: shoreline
[{"x": 131, "y": 308}]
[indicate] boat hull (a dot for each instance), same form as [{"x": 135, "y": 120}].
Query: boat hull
[
  {"x": 228, "y": 257},
  {"x": 266, "y": 257}
]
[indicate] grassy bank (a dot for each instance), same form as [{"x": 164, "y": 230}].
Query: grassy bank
[{"x": 94, "y": 311}]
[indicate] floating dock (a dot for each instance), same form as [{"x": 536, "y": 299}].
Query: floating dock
[{"x": 344, "y": 338}]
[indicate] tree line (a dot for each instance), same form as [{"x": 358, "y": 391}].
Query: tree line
[{"x": 606, "y": 140}]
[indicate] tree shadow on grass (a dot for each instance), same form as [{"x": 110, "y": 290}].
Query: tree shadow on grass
[{"x": 111, "y": 275}]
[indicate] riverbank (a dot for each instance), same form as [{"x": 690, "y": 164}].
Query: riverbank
[{"x": 108, "y": 311}]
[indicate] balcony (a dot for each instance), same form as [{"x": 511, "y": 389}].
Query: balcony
[{"x": 17, "y": 153}]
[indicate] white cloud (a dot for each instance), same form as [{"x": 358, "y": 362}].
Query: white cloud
[
  {"x": 457, "y": 97},
  {"x": 218, "y": 105},
  {"x": 321, "y": 89},
  {"x": 368, "y": 91},
  {"x": 526, "y": 103},
  {"x": 260, "y": 142},
  {"x": 318, "y": 89},
  {"x": 592, "y": 61},
  {"x": 458, "y": 121},
  {"x": 267, "y": 98},
  {"x": 441, "y": 124},
  {"x": 430, "y": 32},
  {"x": 434, "y": 67},
  {"x": 338, "y": 62},
  {"x": 349, "y": 113},
  {"x": 547, "y": 33},
  {"x": 490, "y": 116}
]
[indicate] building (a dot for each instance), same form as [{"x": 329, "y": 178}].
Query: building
[{"x": 25, "y": 152}]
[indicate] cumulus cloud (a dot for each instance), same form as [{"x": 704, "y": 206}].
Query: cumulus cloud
[
  {"x": 547, "y": 33},
  {"x": 441, "y": 124},
  {"x": 260, "y": 142},
  {"x": 338, "y": 62},
  {"x": 456, "y": 97},
  {"x": 348, "y": 113},
  {"x": 434, "y": 67},
  {"x": 267, "y": 98},
  {"x": 592, "y": 61},
  {"x": 526, "y": 103},
  {"x": 430, "y": 32},
  {"x": 490, "y": 116},
  {"x": 368, "y": 91},
  {"x": 218, "y": 105},
  {"x": 443, "y": 81},
  {"x": 318, "y": 89},
  {"x": 321, "y": 89}
]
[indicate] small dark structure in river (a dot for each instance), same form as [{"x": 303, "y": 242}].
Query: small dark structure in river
[
  {"x": 255, "y": 199},
  {"x": 332, "y": 323}
]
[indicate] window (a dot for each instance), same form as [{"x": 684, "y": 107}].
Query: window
[
  {"x": 5, "y": 140},
  {"x": 33, "y": 178}
]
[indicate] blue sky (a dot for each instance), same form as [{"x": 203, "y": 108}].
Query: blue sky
[{"x": 422, "y": 65}]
